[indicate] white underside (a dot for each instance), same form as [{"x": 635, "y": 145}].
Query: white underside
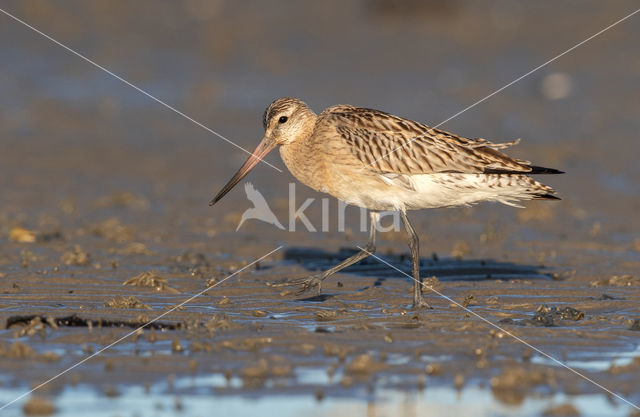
[{"x": 411, "y": 192}]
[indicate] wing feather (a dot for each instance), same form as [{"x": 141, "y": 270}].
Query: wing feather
[{"x": 390, "y": 144}]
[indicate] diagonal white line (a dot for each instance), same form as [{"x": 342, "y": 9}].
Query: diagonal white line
[
  {"x": 559, "y": 362},
  {"x": 511, "y": 83},
  {"x": 136, "y": 330},
  {"x": 78, "y": 54}
]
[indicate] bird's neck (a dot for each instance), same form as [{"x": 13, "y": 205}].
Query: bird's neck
[{"x": 300, "y": 158}]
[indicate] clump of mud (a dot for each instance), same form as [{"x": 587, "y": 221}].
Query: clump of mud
[
  {"x": 255, "y": 374},
  {"x": 18, "y": 350},
  {"x": 38, "y": 325},
  {"x": 76, "y": 257},
  {"x": 194, "y": 263},
  {"x": 364, "y": 364},
  {"x": 548, "y": 317},
  {"x": 514, "y": 383},
  {"x": 249, "y": 344},
  {"x": 617, "y": 281},
  {"x": 135, "y": 248},
  {"x": 562, "y": 410},
  {"x": 112, "y": 229},
  {"x": 221, "y": 322},
  {"x": 130, "y": 302},
  {"x": 122, "y": 200},
  {"x": 152, "y": 280},
  {"x": 38, "y": 406},
  {"x": 22, "y": 235}
]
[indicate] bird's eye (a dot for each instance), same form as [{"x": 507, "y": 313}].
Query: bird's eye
[{"x": 283, "y": 119}]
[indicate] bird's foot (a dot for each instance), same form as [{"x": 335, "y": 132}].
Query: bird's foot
[
  {"x": 310, "y": 282},
  {"x": 306, "y": 284},
  {"x": 420, "y": 304}
]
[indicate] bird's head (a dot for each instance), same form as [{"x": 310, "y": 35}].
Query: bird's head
[{"x": 285, "y": 121}]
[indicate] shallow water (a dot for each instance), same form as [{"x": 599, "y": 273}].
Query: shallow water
[{"x": 197, "y": 396}]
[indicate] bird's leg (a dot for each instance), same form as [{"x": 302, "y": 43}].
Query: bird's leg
[
  {"x": 316, "y": 280},
  {"x": 414, "y": 245}
]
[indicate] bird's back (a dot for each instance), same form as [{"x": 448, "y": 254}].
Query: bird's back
[{"x": 392, "y": 144}]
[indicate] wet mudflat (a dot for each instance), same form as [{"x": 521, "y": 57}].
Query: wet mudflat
[
  {"x": 104, "y": 224},
  {"x": 357, "y": 346}
]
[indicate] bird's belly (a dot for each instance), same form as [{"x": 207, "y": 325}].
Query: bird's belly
[
  {"x": 368, "y": 190},
  {"x": 378, "y": 195},
  {"x": 429, "y": 191}
]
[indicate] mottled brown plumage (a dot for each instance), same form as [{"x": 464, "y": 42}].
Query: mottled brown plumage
[
  {"x": 391, "y": 144},
  {"x": 379, "y": 161}
]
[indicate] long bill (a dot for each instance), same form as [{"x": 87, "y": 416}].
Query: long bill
[{"x": 263, "y": 148}]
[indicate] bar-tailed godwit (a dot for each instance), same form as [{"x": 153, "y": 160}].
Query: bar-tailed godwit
[{"x": 372, "y": 159}]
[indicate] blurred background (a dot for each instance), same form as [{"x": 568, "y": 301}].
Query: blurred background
[
  {"x": 71, "y": 133},
  {"x": 111, "y": 183},
  {"x": 76, "y": 140}
]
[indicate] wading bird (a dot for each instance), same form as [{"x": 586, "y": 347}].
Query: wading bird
[{"x": 372, "y": 159}]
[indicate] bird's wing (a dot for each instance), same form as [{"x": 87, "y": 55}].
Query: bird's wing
[{"x": 388, "y": 144}]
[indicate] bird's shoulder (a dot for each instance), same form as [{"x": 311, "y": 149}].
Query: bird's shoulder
[{"x": 351, "y": 117}]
